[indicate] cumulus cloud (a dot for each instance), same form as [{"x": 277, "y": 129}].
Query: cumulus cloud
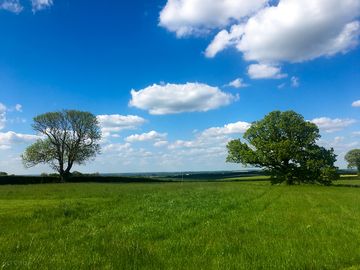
[
  {"x": 264, "y": 71},
  {"x": 16, "y": 7},
  {"x": 206, "y": 150},
  {"x": 356, "y": 103},
  {"x": 115, "y": 123},
  {"x": 18, "y": 107},
  {"x": 340, "y": 144},
  {"x": 178, "y": 98},
  {"x": 8, "y": 139},
  {"x": 150, "y": 136},
  {"x": 186, "y": 17},
  {"x": 224, "y": 39},
  {"x": 116, "y": 147},
  {"x": 210, "y": 140},
  {"x": 282, "y": 34},
  {"x": 160, "y": 143},
  {"x": 2, "y": 116},
  {"x": 11, "y": 5},
  {"x": 232, "y": 128},
  {"x": 331, "y": 125},
  {"x": 41, "y": 4},
  {"x": 237, "y": 83}
]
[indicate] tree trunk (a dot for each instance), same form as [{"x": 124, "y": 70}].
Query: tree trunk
[{"x": 63, "y": 176}]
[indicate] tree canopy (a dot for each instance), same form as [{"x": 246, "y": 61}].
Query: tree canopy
[
  {"x": 284, "y": 144},
  {"x": 69, "y": 137},
  {"x": 353, "y": 159}
]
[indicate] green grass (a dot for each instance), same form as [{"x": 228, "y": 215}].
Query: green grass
[
  {"x": 223, "y": 225},
  {"x": 350, "y": 180}
]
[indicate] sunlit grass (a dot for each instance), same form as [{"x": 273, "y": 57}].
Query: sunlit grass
[{"x": 230, "y": 225}]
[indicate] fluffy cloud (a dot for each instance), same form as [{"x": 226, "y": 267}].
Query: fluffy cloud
[
  {"x": 224, "y": 39},
  {"x": 263, "y": 71},
  {"x": 116, "y": 123},
  {"x": 178, "y": 98},
  {"x": 232, "y": 128},
  {"x": 8, "y": 139},
  {"x": 2, "y": 116},
  {"x": 116, "y": 147},
  {"x": 282, "y": 34},
  {"x": 356, "y": 103},
  {"x": 340, "y": 144},
  {"x": 41, "y": 4},
  {"x": 11, "y": 5},
  {"x": 18, "y": 107},
  {"x": 150, "y": 136},
  {"x": 160, "y": 143},
  {"x": 186, "y": 17},
  {"x": 16, "y": 7},
  {"x": 331, "y": 125},
  {"x": 237, "y": 83},
  {"x": 210, "y": 140}
]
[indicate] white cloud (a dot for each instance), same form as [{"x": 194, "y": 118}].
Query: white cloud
[
  {"x": 186, "y": 17},
  {"x": 150, "y": 136},
  {"x": 41, "y": 4},
  {"x": 331, "y": 125},
  {"x": 232, "y": 128},
  {"x": 2, "y": 115},
  {"x": 18, "y": 107},
  {"x": 178, "y": 98},
  {"x": 340, "y": 144},
  {"x": 210, "y": 142},
  {"x": 8, "y": 139},
  {"x": 237, "y": 83},
  {"x": 223, "y": 40},
  {"x": 161, "y": 143},
  {"x": 11, "y": 5},
  {"x": 16, "y": 7},
  {"x": 296, "y": 31},
  {"x": 356, "y": 133},
  {"x": 356, "y": 103},
  {"x": 295, "y": 82},
  {"x": 116, "y": 147},
  {"x": 115, "y": 123},
  {"x": 264, "y": 71}
]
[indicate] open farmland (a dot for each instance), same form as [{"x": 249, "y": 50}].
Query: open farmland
[{"x": 189, "y": 225}]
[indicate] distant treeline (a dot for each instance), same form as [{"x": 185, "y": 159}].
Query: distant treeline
[
  {"x": 78, "y": 177},
  {"x": 28, "y": 180},
  {"x": 215, "y": 175}
]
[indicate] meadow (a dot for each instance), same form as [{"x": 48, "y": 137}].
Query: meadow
[{"x": 182, "y": 225}]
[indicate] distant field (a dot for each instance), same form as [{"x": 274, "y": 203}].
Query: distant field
[
  {"x": 195, "y": 225},
  {"x": 352, "y": 180}
]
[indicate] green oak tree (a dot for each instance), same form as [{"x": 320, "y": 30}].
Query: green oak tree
[
  {"x": 68, "y": 137},
  {"x": 284, "y": 145},
  {"x": 353, "y": 159}
]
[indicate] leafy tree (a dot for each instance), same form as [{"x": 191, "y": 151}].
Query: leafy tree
[
  {"x": 3, "y": 174},
  {"x": 284, "y": 144},
  {"x": 353, "y": 158},
  {"x": 69, "y": 137}
]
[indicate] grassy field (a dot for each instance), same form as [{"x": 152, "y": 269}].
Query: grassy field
[{"x": 221, "y": 225}]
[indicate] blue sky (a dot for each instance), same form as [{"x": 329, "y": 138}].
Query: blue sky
[{"x": 200, "y": 72}]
